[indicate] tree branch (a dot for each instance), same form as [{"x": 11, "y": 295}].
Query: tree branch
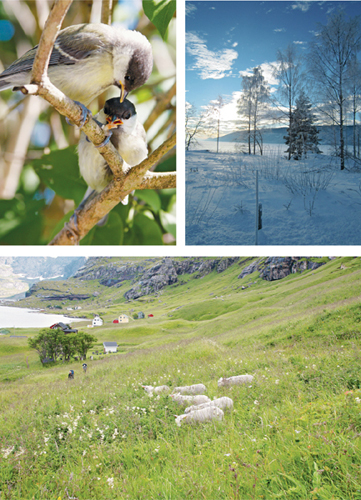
[
  {"x": 161, "y": 106},
  {"x": 47, "y": 40},
  {"x": 106, "y": 11},
  {"x": 158, "y": 180},
  {"x": 102, "y": 204}
]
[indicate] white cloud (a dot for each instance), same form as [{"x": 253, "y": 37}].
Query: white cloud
[
  {"x": 235, "y": 44},
  {"x": 190, "y": 9},
  {"x": 302, "y": 6},
  {"x": 209, "y": 64},
  {"x": 279, "y": 30},
  {"x": 299, "y": 43}
]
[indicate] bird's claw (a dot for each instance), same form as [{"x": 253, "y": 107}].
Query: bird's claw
[
  {"x": 85, "y": 115},
  {"x": 106, "y": 140},
  {"x": 72, "y": 228}
]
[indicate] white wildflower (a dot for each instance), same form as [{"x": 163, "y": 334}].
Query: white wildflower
[
  {"x": 6, "y": 451},
  {"x": 110, "y": 482},
  {"x": 277, "y": 381}
]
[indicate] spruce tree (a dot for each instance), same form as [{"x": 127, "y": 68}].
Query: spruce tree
[{"x": 302, "y": 134}]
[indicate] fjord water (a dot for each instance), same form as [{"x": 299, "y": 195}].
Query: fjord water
[{"x": 15, "y": 317}]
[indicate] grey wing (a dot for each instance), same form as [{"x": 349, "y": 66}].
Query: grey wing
[{"x": 72, "y": 45}]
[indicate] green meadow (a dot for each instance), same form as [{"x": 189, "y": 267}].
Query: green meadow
[{"x": 294, "y": 432}]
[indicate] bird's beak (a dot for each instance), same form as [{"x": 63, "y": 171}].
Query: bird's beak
[
  {"x": 123, "y": 92},
  {"x": 113, "y": 122}
]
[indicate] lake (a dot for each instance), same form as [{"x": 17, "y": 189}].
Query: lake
[{"x": 27, "y": 318}]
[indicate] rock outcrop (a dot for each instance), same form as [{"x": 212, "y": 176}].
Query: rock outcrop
[{"x": 276, "y": 268}]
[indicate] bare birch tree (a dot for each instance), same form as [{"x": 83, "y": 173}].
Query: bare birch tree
[
  {"x": 331, "y": 55},
  {"x": 288, "y": 72},
  {"x": 253, "y": 104}
]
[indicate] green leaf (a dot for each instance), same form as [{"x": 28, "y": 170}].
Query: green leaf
[
  {"x": 110, "y": 234},
  {"x": 160, "y": 12},
  {"x": 59, "y": 170},
  {"x": 23, "y": 228},
  {"x": 168, "y": 199},
  {"x": 167, "y": 165},
  {"x": 150, "y": 197},
  {"x": 145, "y": 231},
  {"x": 168, "y": 222}
]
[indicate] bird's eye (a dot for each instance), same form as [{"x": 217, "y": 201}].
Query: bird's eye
[
  {"x": 127, "y": 78},
  {"x": 126, "y": 116}
]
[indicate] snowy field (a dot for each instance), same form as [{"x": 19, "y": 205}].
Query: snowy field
[{"x": 309, "y": 202}]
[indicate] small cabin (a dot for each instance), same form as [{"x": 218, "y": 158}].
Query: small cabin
[
  {"x": 97, "y": 321},
  {"x": 140, "y": 315},
  {"x": 110, "y": 347},
  {"x": 123, "y": 318}
]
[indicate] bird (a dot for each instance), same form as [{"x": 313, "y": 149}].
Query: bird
[
  {"x": 127, "y": 136},
  {"x": 87, "y": 59}
]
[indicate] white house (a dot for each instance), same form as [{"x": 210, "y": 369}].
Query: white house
[
  {"x": 110, "y": 346},
  {"x": 123, "y": 318},
  {"x": 97, "y": 321}
]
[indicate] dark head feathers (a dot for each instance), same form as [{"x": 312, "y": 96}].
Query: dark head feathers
[
  {"x": 139, "y": 68},
  {"x": 120, "y": 109}
]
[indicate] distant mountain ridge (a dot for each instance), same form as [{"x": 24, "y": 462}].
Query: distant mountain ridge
[
  {"x": 128, "y": 279},
  {"x": 328, "y": 134},
  {"x": 17, "y": 274}
]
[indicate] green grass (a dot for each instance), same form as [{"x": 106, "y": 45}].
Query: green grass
[{"x": 294, "y": 433}]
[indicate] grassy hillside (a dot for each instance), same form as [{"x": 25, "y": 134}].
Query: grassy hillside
[{"x": 294, "y": 433}]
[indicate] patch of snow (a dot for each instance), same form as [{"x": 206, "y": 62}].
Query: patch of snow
[{"x": 308, "y": 202}]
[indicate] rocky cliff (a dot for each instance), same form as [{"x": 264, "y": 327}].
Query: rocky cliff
[
  {"x": 276, "y": 268},
  {"x": 140, "y": 277}
]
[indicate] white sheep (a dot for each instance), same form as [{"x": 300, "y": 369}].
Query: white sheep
[
  {"x": 157, "y": 390},
  {"x": 194, "y": 400},
  {"x": 222, "y": 403},
  {"x": 210, "y": 413},
  {"x": 236, "y": 380},
  {"x": 191, "y": 389}
]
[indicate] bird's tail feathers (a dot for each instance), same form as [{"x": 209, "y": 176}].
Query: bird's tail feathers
[{"x": 5, "y": 84}]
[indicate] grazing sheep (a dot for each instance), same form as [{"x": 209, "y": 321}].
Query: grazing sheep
[
  {"x": 222, "y": 403},
  {"x": 236, "y": 380},
  {"x": 210, "y": 413},
  {"x": 157, "y": 390},
  {"x": 195, "y": 400},
  {"x": 191, "y": 389}
]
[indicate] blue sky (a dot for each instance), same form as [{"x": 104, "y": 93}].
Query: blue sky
[{"x": 226, "y": 38}]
